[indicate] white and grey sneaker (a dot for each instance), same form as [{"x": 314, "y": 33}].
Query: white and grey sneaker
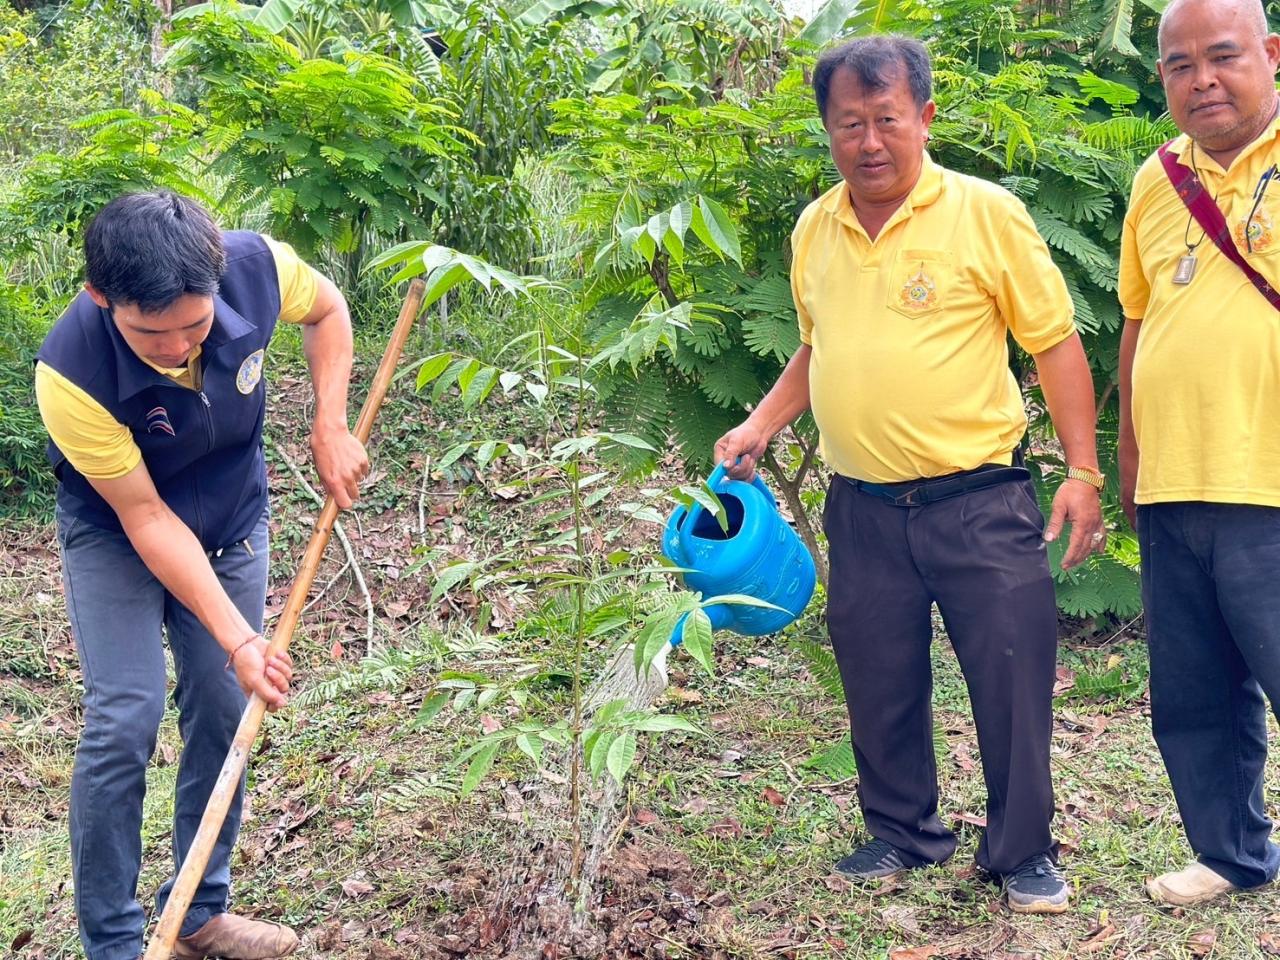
[
  {"x": 872, "y": 861},
  {"x": 1037, "y": 885}
]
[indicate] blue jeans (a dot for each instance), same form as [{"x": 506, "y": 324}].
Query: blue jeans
[
  {"x": 117, "y": 610},
  {"x": 1209, "y": 579}
]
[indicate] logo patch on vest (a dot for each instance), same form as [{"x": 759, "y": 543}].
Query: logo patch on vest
[
  {"x": 250, "y": 373},
  {"x": 158, "y": 421},
  {"x": 919, "y": 293}
]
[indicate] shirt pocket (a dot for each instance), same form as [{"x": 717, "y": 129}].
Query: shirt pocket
[
  {"x": 1256, "y": 237},
  {"x": 920, "y": 282}
]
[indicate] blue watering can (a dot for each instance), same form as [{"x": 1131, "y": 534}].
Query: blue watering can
[{"x": 759, "y": 556}]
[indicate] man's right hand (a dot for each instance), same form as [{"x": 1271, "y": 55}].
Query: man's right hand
[
  {"x": 740, "y": 449},
  {"x": 269, "y": 679}
]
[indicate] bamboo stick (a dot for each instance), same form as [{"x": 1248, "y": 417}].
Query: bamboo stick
[{"x": 224, "y": 789}]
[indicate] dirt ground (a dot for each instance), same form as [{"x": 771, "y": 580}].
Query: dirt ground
[{"x": 718, "y": 845}]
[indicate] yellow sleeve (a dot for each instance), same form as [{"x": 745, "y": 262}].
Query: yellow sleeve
[
  {"x": 1030, "y": 292},
  {"x": 1135, "y": 291},
  {"x": 94, "y": 442},
  {"x": 799, "y": 249},
  {"x": 298, "y": 282}
]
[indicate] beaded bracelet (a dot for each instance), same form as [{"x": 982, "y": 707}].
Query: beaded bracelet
[{"x": 231, "y": 656}]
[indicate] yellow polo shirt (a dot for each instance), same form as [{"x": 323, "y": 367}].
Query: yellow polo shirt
[
  {"x": 1206, "y": 375},
  {"x": 101, "y": 447},
  {"x": 909, "y": 375}
]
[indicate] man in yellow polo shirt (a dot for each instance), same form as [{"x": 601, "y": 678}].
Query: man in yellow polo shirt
[
  {"x": 151, "y": 386},
  {"x": 1199, "y": 445},
  {"x": 907, "y": 280}
]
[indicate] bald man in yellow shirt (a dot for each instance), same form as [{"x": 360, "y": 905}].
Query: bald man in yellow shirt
[
  {"x": 1199, "y": 446},
  {"x": 907, "y": 280}
]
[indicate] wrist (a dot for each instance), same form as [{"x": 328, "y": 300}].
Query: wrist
[
  {"x": 1086, "y": 474},
  {"x": 761, "y": 424},
  {"x": 231, "y": 653},
  {"x": 327, "y": 426}
]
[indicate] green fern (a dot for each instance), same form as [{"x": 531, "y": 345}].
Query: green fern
[
  {"x": 821, "y": 662},
  {"x": 834, "y": 762}
]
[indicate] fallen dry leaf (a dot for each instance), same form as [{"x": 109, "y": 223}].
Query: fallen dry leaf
[
  {"x": 772, "y": 796},
  {"x": 728, "y": 827},
  {"x": 903, "y": 916},
  {"x": 335, "y": 652},
  {"x": 21, "y": 940},
  {"x": 695, "y": 805},
  {"x": 835, "y": 884},
  {"x": 1064, "y": 680},
  {"x": 1099, "y": 937},
  {"x": 914, "y": 953},
  {"x": 357, "y": 888},
  {"x": 396, "y": 609},
  {"x": 354, "y": 930},
  {"x": 1270, "y": 944},
  {"x": 489, "y": 725},
  {"x": 1201, "y": 944}
]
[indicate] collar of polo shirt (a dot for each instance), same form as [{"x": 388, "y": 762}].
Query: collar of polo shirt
[{"x": 927, "y": 189}]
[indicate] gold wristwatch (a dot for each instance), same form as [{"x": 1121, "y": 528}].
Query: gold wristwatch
[{"x": 1087, "y": 474}]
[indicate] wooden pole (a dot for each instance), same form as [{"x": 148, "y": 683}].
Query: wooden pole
[{"x": 224, "y": 789}]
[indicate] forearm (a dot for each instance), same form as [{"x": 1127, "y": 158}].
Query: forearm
[
  {"x": 789, "y": 396},
  {"x": 327, "y": 344},
  {"x": 1128, "y": 440},
  {"x": 1068, "y": 392},
  {"x": 173, "y": 554}
]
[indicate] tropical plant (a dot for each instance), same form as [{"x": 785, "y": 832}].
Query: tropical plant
[{"x": 338, "y": 151}]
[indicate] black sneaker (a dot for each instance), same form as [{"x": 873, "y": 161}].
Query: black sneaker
[
  {"x": 872, "y": 861},
  {"x": 1036, "y": 886}
]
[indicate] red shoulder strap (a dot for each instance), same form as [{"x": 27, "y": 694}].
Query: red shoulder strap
[{"x": 1209, "y": 216}]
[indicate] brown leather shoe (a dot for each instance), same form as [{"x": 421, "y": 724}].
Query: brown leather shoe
[{"x": 237, "y": 938}]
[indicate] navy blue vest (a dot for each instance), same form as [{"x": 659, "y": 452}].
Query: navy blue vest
[{"x": 203, "y": 449}]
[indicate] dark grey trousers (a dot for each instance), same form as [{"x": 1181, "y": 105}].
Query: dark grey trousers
[
  {"x": 981, "y": 559},
  {"x": 117, "y": 609},
  {"x": 1209, "y": 583}
]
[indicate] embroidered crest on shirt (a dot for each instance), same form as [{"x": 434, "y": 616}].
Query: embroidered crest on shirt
[
  {"x": 919, "y": 293},
  {"x": 250, "y": 373},
  {"x": 1260, "y": 232},
  {"x": 158, "y": 421}
]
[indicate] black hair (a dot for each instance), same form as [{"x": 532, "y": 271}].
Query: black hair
[
  {"x": 149, "y": 249},
  {"x": 876, "y": 62}
]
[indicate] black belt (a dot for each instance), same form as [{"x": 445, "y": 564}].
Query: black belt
[{"x": 917, "y": 493}]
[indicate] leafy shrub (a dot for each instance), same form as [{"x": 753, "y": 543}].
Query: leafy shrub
[
  {"x": 96, "y": 56},
  {"x": 26, "y": 484},
  {"x": 338, "y": 151}
]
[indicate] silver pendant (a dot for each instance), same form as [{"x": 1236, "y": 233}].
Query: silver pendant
[{"x": 1186, "y": 270}]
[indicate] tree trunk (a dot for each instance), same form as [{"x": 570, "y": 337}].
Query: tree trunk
[
  {"x": 790, "y": 487},
  {"x": 163, "y": 83}
]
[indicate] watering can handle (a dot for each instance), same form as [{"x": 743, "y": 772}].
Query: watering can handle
[{"x": 721, "y": 472}]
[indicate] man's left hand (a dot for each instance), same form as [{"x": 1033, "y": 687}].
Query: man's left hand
[
  {"x": 341, "y": 462},
  {"x": 1078, "y": 504}
]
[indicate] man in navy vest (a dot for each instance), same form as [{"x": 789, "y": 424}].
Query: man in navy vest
[{"x": 151, "y": 386}]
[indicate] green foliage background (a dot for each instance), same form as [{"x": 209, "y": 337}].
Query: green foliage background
[{"x": 649, "y": 157}]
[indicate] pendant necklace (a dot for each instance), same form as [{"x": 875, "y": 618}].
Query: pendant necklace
[{"x": 1186, "y": 270}]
